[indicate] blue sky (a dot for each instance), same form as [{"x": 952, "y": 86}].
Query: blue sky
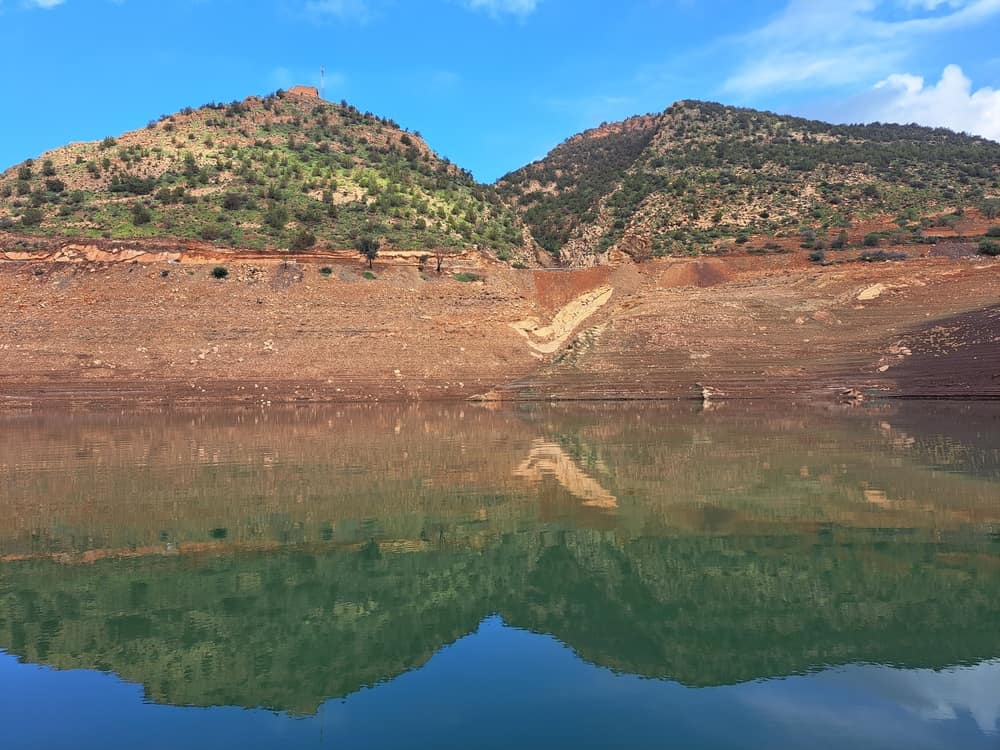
[{"x": 494, "y": 84}]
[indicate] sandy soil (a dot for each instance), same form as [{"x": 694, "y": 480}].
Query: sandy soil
[
  {"x": 107, "y": 324},
  {"x": 774, "y": 326}
]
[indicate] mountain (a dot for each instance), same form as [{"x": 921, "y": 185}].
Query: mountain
[
  {"x": 701, "y": 175},
  {"x": 290, "y": 170},
  {"x": 284, "y": 170}
]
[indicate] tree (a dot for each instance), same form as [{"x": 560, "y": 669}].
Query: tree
[
  {"x": 368, "y": 247},
  {"x": 303, "y": 240},
  {"x": 234, "y": 201},
  {"x": 32, "y": 217},
  {"x": 130, "y": 183},
  {"x": 140, "y": 214},
  {"x": 276, "y": 217},
  {"x": 439, "y": 257}
]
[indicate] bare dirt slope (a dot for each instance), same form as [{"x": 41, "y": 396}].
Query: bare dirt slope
[
  {"x": 777, "y": 327},
  {"x": 159, "y": 328}
]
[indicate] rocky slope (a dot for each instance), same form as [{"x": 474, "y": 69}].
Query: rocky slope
[
  {"x": 283, "y": 171},
  {"x": 702, "y": 177},
  {"x": 188, "y": 300},
  {"x": 161, "y": 327}
]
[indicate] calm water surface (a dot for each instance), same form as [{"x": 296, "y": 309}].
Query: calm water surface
[{"x": 461, "y": 577}]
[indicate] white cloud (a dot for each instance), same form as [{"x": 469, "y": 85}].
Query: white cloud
[
  {"x": 950, "y": 103},
  {"x": 504, "y": 7},
  {"x": 816, "y": 44},
  {"x": 932, "y": 4},
  {"x": 45, "y": 4},
  {"x": 874, "y": 706}
]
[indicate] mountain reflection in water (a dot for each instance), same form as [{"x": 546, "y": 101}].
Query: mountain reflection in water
[{"x": 484, "y": 562}]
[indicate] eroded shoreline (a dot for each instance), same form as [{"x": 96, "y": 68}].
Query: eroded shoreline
[{"x": 295, "y": 329}]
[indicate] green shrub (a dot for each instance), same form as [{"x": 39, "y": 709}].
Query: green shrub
[
  {"x": 880, "y": 256},
  {"x": 369, "y": 275},
  {"x": 276, "y": 217},
  {"x": 986, "y": 247},
  {"x": 234, "y": 201},
  {"x": 133, "y": 184},
  {"x": 464, "y": 276},
  {"x": 817, "y": 256},
  {"x": 872, "y": 240},
  {"x": 993, "y": 232},
  {"x": 302, "y": 241},
  {"x": 167, "y": 195},
  {"x": 326, "y": 271},
  {"x": 32, "y": 217},
  {"x": 220, "y": 272},
  {"x": 140, "y": 214},
  {"x": 210, "y": 232}
]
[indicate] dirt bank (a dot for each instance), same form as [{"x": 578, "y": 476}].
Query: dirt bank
[{"x": 162, "y": 329}]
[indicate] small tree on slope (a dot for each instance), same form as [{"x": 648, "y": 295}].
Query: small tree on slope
[{"x": 368, "y": 247}]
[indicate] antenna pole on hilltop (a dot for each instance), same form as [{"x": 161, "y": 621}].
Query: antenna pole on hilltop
[{"x": 322, "y": 82}]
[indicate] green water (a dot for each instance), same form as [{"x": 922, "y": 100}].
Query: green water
[{"x": 448, "y": 576}]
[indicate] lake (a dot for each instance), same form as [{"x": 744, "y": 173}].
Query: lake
[{"x": 459, "y": 576}]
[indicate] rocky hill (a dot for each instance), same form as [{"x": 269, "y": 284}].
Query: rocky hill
[
  {"x": 293, "y": 171},
  {"x": 283, "y": 171},
  {"x": 703, "y": 176}
]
